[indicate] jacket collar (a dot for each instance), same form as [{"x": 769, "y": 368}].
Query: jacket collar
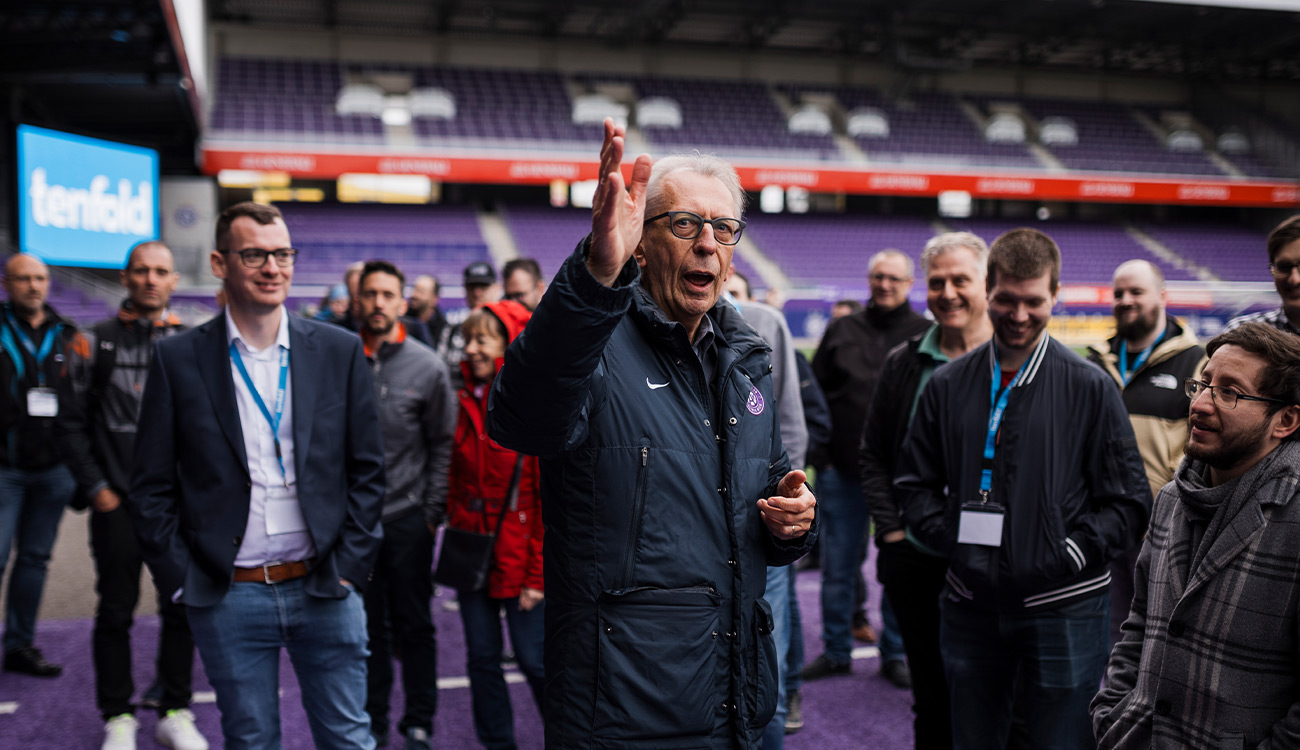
[{"x": 1032, "y": 365}]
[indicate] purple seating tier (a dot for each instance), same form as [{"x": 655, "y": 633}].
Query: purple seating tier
[
  {"x": 832, "y": 250},
  {"x": 1090, "y": 251},
  {"x": 435, "y": 240},
  {"x": 1231, "y": 253}
]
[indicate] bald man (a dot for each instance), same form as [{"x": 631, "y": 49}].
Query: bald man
[
  {"x": 1149, "y": 357},
  {"x": 34, "y": 483},
  {"x": 99, "y": 404}
]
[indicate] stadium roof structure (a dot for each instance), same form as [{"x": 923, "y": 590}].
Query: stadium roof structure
[
  {"x": 106, "y": 68},
  {"x": 1212, "y": 38}
]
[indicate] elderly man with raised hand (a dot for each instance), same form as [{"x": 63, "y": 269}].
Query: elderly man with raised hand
[{"x": 665, "y": 487}]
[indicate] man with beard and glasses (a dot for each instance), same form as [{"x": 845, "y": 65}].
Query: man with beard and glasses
[
  {"x": 417, "y": 411},
  {"x": 954, "y": 266},
  {"x": 1021, "y": 468},
  {"x": 1284, "y": 264},
  {"x": 1149, "y": 357},
  {"x": 1209, "y": 656}
]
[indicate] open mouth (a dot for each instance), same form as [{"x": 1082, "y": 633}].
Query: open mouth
[{"x": 700, "y": 281}]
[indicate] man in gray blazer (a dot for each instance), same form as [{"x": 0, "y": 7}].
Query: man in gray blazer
[{"x": 1209, "y": 656}]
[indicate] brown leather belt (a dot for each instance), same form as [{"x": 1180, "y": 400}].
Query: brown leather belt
[{"x": 277, "y": 572}]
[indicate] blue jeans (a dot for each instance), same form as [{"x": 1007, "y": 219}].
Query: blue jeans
[
  {"x": 843, "y": 536},
  {"x": 891, "y": 637},
  {"x": 777, "y": 596},
  {"x": 31, "y": 506},
  {"x": 240, "y": 639},
  {"x": 494, "y": 722},
  {"x": 794, "y": 658},
  {"x": 1059, "y": 656}
]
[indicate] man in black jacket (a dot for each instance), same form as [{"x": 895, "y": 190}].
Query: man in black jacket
[
  {"x": 99, "y": 402},
  {"x": 954, "y": 265},
  {"x": 847, "y": 364},
  {"x": 1020, "y": 466},
  {"x": 665, "y": 487},
  {"x": 34, "y": 483}
]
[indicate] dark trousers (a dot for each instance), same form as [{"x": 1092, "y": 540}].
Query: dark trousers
[
  {"x": 494, "y": 722},
  {"x": 397, "y": 613},
  {"x": 913, "y": 582},
  {"x": 1050, "y": 662},
  {"x": 117, "y": 569}
]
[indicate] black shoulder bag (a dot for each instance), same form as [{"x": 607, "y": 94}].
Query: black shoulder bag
[{"x": 465, "y": 561}]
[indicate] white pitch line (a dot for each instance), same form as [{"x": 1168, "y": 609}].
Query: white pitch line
[
  {"x": 9, "y": 707},
  {"x": 453, "y": 683}
]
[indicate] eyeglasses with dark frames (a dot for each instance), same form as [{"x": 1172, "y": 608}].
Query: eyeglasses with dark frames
[
  {"x": 256, "y": 257},
  {"x": 1222, "y": 395},
  {"x": 1282, "y": 269},
  {"x": 686, "y": 225}
]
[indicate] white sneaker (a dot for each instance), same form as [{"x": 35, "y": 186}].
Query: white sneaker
[
  {"x": 119, "y": 733},
  {"x": 177, "y": 731}
]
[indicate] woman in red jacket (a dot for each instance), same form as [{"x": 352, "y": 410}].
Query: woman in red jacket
[{"x": 480, "y": 480}]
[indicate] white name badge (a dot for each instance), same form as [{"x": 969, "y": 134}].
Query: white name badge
[
  {"x": 981, "y": 524},
  {"x": 283, "y": 513},
  {"x": 42, "y": 402}
]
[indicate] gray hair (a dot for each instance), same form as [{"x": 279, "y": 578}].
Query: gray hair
[
  {"x": 942, "y": 243},
  {"x": 704, "y": 164},
  {"x": 892, "y": 253}
]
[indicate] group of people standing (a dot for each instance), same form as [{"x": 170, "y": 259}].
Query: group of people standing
[{"x": 284, "y": 479}]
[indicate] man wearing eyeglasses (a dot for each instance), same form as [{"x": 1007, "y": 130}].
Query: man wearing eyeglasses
[
  {"x": 848, "y": 363},
  {"x": 1208, "y": 657},
  {"x": 1149, "y": 356},
  {"x": 257, "y": 492},
  {"x": 665, "y": 486},
  {"x": 1284, "y": 266}
]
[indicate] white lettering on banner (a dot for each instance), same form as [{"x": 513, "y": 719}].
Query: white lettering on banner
[
  {"x": 1004, "y": 186},
  {"x": 1107, "y": 189},
  {"x": 415, "y": 166},
  {"x": 806, "y": 179},
  {"x": 545, "y": 170},
  {"x": 1286, "y": 195},
  {"x": 1203, "y": 192},
  {"x": 898, "y": 182},
  {"x": 93, "y": 210},
  {"x": 278, "y": 162}
]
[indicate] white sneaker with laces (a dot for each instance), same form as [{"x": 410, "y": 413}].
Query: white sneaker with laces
[
  {"x": 177, "y": 731},
  {"x": 119, "y": 733}
]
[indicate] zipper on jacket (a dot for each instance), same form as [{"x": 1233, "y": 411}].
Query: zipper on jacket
[{"x": 634, "y": 527}]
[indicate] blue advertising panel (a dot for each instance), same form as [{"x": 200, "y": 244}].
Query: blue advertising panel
[{"x": 83, "y": 201}]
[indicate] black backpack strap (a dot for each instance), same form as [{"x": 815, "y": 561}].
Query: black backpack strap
[{"x": 105, "y": 356}]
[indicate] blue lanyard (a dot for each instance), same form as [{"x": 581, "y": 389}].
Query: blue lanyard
[
  {"x": 1125, "y": 374},
  {"x": 997, "y": 406},
  {"x": 47, "y": 344},
  {"x": 257, "y": 398}
]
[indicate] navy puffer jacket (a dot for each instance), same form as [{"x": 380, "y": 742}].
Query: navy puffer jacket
[{"x": 657, "y": 635}]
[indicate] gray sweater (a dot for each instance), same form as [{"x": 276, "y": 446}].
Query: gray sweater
[{"x": 417, "y": 409}]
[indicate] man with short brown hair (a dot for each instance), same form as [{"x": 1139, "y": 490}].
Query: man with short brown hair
[
  {"x": 1208, "y": 656},
  {"x": 1021, "y": 468}
]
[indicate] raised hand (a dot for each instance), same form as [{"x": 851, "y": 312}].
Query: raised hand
[
  {"x": 617, "y": 214},
  {"x": 790, "y": 514}
]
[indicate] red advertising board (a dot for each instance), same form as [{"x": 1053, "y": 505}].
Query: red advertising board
[{"x": 858, "y": 181}]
